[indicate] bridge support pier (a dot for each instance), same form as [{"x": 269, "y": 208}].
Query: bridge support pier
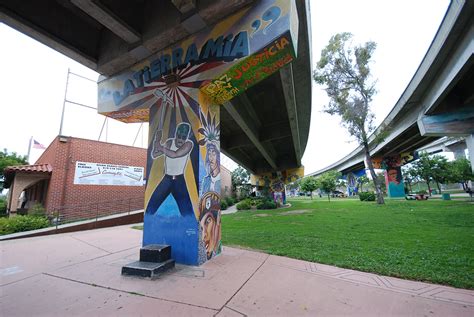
[
  {"x": 182, "y": 198},
  {"x": 394, "y": 182}
]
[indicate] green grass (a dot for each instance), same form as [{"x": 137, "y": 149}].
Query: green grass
[{"x": 420, "y": 240}]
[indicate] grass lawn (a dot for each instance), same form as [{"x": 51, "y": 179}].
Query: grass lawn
[{"x": 420, "y": 240}]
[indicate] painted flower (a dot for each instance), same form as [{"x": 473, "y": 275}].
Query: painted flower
[{"x": 210, "y": 129}]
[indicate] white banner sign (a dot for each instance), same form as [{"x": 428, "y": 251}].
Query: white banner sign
[{"x": 107, "y": 174}]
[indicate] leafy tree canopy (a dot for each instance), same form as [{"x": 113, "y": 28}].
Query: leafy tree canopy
[
  {"x": 10, "y": 159},
  {"x": 461, "y": 172},
  {"x": 344, "y": 71},
  {"x": 328, "y": 182},
  {"x": 309, "y": 184}
]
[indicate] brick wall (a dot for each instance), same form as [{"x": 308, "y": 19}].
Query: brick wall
[
  {"x": 226, "y": 182},
  {"x": 82, "y": 201}
]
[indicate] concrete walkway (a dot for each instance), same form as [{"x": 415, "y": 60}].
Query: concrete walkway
[
  {"x": 230, "y": 210},
  {"x": 79, "y": 274}
]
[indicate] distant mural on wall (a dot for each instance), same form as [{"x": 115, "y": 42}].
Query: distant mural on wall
[
  {"x": 179, "y": 91},
  {"x": 352, "y": 181},
  {"x": 393, "y": 171},
  {"x": 276, "y": 181}
]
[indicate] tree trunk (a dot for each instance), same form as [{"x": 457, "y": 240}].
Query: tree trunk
[
  {"x": 429, "y": 187},
  {"x": 439, "y": 187},
  {"x": 311, "y": 195},
  {"x": 380, "y": 199},
  {"x": 329, "y": 198}
]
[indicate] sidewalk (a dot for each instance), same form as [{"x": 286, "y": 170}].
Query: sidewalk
[{"x": 79, "y": 274}]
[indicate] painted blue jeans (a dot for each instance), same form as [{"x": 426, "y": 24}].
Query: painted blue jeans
[{"x": 175, "y": 185}]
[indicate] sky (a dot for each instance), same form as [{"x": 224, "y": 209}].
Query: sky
[{"x": 33, "y": 79}]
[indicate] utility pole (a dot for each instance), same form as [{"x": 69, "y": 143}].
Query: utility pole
[{"x": 64, "y": 104}]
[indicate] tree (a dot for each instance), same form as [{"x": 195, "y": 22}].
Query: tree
[
  {"x": 309, "y": 184},
  {"x": 361, "y": 181},
  {"x": 240, "y": 179},
  {"x": 409, "y": 176},
  {"x": 328, "y": 182},
  {"x": 344, "y": 71},
  {"x": 422, "y": 168},
  {"x": 440, "y": 170},
  {"x": 460, "y": 172},
  {"x": 10, "y": 159}
]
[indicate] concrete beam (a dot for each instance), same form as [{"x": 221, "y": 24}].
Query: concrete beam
[
  {"x": 396, "y": 149},
  {"x": 267, "y": 134},
  {"x": 184, "y": 6},
  {"x": 286, "y": 76},
  {"x": 249, "y": 126},
  {"x": 109, "y": 20}
]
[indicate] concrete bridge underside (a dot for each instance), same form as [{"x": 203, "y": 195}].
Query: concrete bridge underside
[{"x": 265, "y": 129}]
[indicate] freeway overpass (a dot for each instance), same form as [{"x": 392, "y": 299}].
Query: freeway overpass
[
  {"x": 438, "y": 101},
  {"x": 208, "y": 76}
]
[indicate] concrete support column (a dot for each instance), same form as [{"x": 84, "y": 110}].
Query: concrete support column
[
  {"x": 394, "y": 182},
  {"x": 182, "y": 196},
  {"x": 470, "y": 149}
]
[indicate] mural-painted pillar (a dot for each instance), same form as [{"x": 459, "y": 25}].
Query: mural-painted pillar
[
  {"x": 183, "y": 189},
  {"x": 393, "y": 171},
  {"x": 276, "y": 182},
  {"x": 179, "y": 91},
  {"x": 394, "y": 182}
]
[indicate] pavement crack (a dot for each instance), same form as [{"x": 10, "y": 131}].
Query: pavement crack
[
  {"x": 127, "y": 292},
  {"x": 235, "y": 310},
  {"x": 241, "y": 286},
  {"x": 89, "y": 244}
]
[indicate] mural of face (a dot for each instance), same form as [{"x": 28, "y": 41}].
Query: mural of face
[
  {"x": 210, "y": 223},
  {"x": 393, "y": 176},
  {"x": 213, "y": 154},
  {"x": 182, "y": 133},
  {"x": 212, "y": 159}
]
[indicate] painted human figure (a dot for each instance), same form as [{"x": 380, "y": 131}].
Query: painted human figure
[
  {"x": 210, "y": 223},
  {"x": 177, "y": 151},
  {"x": 212, "y": 181},
  {"x": 393, "y": 176}
]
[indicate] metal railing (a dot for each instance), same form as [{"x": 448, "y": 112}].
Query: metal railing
[{"x": 79, "y": 212}]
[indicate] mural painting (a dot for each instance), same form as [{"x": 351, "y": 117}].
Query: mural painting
[
  {"x": 393, "y": 171},
  {"x": 352, "y": 181},
  {"x": 178, "y": 91},
  {"x": 275, "y": 182}
]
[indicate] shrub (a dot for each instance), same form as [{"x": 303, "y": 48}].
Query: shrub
[
  {"x": 230, "y": 201},
  {"x": 367, "y": 196},
  {"x": 3, "y": 207},
  {"x": 223, "y": 205},
  {"x": 244, "y": 205},
  {"x": 266, "y": 204},
  {"x": 22, "y": 223},
  {"x": 37, "y": 210}
]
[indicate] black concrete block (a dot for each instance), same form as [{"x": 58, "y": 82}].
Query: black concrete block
[
  {"x": 147, "y": 269},
  {"x": 155, "y": 253}
]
